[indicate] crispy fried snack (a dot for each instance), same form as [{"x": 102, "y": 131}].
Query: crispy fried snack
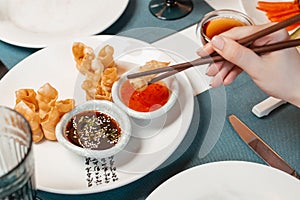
[
  {"x": 64, "y": 106},
  {"x": 52, "y": 117},
  {"x": 46, "y": 97},
  {"x": 105, "y": 56},
  {"x": 141, "y": 83},
  {"x": 27, "y": 96},
  {"x": 98, "y": 82},
  {"x": 28, "y": 111},
  {"x": 42, "y": 110},
  {"x": 89, "y": 85},
  {"x": 83, "y": 56},
  {"x": 49, "y": 123},
  {"x": 101, "y": 94}
]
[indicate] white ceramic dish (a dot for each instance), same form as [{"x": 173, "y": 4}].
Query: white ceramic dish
[
  {"x": 39, "y": 23},
  {"x": 107, "y": 108},
  {"x": 151, "y": 143},
  {"x": 229, "y": 180},
  {"x": 170, "y": 82}
]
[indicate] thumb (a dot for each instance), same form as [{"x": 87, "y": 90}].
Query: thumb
[{"x": 237, "y": 54}]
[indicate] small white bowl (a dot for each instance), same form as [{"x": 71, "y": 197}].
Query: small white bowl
[
  {"x": 102, "y": 106},
  {"x": 170, "y": 82}
]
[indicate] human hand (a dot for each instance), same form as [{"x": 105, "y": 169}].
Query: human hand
[{"x": 276, "y": 73}]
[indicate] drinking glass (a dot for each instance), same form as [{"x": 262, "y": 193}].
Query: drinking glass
[
  {"x": 218, "y": 21},
  {"x": 16, "y": 157},
  {"x": 170, "y": 9}
]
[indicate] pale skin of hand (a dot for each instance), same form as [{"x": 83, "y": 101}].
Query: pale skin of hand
[{"x": 276, "y": 73}]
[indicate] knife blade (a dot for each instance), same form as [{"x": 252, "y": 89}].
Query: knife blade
[
  {"x": 262, "y": 149},
  {"x": 3, "y": 69}
]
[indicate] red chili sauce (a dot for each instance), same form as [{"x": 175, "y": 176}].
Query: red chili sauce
[{"x": 152, "y": 98}]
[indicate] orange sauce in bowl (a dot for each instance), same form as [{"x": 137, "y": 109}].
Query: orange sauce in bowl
[
  {"x": 152, "y": 98},
  {"x": 220, "y": 25}
]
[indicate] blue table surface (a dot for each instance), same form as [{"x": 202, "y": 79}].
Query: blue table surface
[{"x": 210, "y": 137}]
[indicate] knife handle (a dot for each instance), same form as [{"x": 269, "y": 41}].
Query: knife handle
[
  {"x": 265, "y": 107},
  {"x": 296, "y": 175}
]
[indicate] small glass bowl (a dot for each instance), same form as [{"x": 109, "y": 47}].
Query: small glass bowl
[
  {"x": 170, "y": 82},
  {"x": 219, "y": 14},
  {"x": 102, "y": 106}
]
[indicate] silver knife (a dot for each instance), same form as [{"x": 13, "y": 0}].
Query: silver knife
[{"x": 262, "y": 149}]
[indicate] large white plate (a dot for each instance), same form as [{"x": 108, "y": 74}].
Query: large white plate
[
  {"x": 229, "y": 180},
  {"x": 256, "y": 15},
  {"x": 152, "y": 142},
  {"x": 39, "y": 23}
]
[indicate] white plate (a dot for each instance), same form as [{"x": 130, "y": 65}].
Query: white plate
[
  {"x": 39, "y": 23},
  {"x": 229, "y": 180},
  {"x": 256, "y": 15},
  {"x": 59, "y": 170}
]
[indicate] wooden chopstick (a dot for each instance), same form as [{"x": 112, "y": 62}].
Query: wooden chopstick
[
  {"x": 246, "y": 41},
  {"x": 218, "y": 58}
]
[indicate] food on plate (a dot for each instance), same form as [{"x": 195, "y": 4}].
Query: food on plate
[
  {"x": 108, "y": 77},
  {"x": 42, "y": 110},
  {"x": 280, "y": 11},
  {"x": 49, "y": 122},
  {"x": 105, "y": 56},
  {"x": 94, "y": 130},
  {"x": 141, "y": 83},
  {"x": 28, "y": 111},
  {"x": 27, "y": 96},
  {"x": 152, "y": 98},
  {"x": 139, "y": 96},
  {"x": 46, "y": 97},
  {"x": 84, "y": 57},
  {"x": 100, "y": 72},
  {"x": 88, "y": 66}
]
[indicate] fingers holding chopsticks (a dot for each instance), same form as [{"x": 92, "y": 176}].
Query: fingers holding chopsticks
[
  {"x": 275, "y": 72},
  {"x": 237, "y": 55}
]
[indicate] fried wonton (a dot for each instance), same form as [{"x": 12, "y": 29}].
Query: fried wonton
[
  {"x": 49, "y": 123},
  {"x": 98, "y": 80},
  {"x": 141, "y": 83},
  {"x": 83, "y": 56},
  {"x": 28, "y": 96},
  {"x": 28, "y": 111},
  {"x": 42, "y": 110},
  {"x": 64, "y": 106},
  {"x": 46, "y": 97},
  {"x": 105, "y": 56}
]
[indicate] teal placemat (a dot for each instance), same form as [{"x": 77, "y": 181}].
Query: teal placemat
[
  {"x": 132, "y": 23},
  {"x": 280, "y": 129}
]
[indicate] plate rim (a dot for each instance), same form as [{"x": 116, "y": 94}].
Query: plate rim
[{"x": 224, "y": 163}]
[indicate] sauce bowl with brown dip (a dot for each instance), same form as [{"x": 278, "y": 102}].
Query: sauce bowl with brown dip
[{"x": 96, "y": 128}]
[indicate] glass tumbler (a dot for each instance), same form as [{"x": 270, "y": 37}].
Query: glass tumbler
[
  {"x": 16, "y": 157},
  {"x": 218, "y": 21}
]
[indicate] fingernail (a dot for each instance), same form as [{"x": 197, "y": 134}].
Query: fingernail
[{"x": 218, "y": 42}]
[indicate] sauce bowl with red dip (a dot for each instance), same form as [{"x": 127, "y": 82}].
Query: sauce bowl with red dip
[
  {"x": 154, "y": 101},
  {"x": 96, "y": 128}
]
